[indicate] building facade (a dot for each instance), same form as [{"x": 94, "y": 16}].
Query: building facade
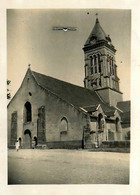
[{"x": 47, "y": 112}]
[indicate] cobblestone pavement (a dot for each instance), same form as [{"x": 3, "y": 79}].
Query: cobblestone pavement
[{"x": 67, "y": 167}]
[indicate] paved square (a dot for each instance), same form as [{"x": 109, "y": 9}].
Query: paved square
[{"x": 67, "y": 167}]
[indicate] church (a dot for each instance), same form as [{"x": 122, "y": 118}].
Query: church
[{"x": 52, "y": 113}]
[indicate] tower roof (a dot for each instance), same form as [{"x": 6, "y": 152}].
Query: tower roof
[{"x": 97, "y": 34}]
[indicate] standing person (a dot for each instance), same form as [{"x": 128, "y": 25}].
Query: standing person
[
  {"x": 17, "y": 145},
  {"x": 33, "y": 144}
]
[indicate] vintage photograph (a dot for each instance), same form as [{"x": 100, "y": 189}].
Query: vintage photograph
[{"x": 68, "y": 93}]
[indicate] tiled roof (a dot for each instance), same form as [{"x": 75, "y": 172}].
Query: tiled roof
[
  {"x": 125, "y": 117},
  {"x": 73, "y": 94},
  {"x": 110, "y": 113},
  {"x": 125, "y": 107},
  {"x": 76, "y": 95}
]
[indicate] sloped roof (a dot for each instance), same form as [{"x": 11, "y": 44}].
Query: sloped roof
[
  {"x": 97, "y": 33},
  {"x": 108, "y": 110},
  {"x": 110, "y": 113},
  {"x": 125, "y": 117},
  {"x": 73, "y": 94},
  {"x": 124, "y": 106},
  {"x": 76, "y": 95},
  {"x": 92, "y": 108}
]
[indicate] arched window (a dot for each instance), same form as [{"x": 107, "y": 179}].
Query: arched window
[
  {"x": 63, "y": 125},
  {"x": 110, "y": 65},
  {"x": 99, "y": 64},
  {"x": 115, "y": 70},
  {"x": 91, "y": 64},
  {"x": 95, "y": 63},
  {"x": 100, "y": 122},
  {"x": 85, "y": 70},
  {"x": 28, "y": 112}
]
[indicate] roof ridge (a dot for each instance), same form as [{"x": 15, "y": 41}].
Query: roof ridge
[
  {"x": 55, "y": 93},
  {"x": 124, "y": 101},
  {"x": 70, "y": 93},
  {"x": 89, "y": 90},
  {"x": 60, "y": 80},
  {"x": 90, "y": 105}
]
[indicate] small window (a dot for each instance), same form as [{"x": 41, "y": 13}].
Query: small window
[
  {"x": 63, "y": 125},
  {"x": 30, "y": 94}
]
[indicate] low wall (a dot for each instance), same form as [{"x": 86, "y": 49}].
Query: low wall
[
  {"x": 116, "y": 144},
  {"x": 65, "y": 144}
]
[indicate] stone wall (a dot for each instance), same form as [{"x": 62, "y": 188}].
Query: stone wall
[{"x": 55, "y": 110}]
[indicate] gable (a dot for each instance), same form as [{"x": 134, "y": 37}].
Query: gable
[{"x": 28, "y": 87}]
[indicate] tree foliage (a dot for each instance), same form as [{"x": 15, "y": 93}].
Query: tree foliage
[{"x": 8, "y": 93}]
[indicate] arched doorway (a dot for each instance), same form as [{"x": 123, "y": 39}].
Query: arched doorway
[
  {"x": 27, "y": 138},
  {"x": 100, "y": 122}
]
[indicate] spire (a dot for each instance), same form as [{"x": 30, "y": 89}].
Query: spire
[
  {"x": 97, "y": 21},
  {"x": 96, "y": 34}
]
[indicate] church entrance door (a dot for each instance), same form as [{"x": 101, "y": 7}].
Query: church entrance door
[{"x": 27, "y": 139}]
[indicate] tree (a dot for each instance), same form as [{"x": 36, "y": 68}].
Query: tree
[{"x": 8, "y": 93}]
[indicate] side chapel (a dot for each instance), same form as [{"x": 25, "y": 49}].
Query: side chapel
[{"x": 57, "y": 114}]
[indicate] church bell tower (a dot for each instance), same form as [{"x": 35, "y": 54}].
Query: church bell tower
[{"x": 100, "y": 66}]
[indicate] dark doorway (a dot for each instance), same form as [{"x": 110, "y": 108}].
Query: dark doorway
[
  {"x": 35, "y": 139},
  {"x": 19, "y": 139},
  {"x": 27, "y": 139}
]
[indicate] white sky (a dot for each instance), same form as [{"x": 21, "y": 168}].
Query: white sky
[{"x": 31, "y": 40}]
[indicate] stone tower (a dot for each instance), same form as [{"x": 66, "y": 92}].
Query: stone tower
[{"x": 100, "y": 66}]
